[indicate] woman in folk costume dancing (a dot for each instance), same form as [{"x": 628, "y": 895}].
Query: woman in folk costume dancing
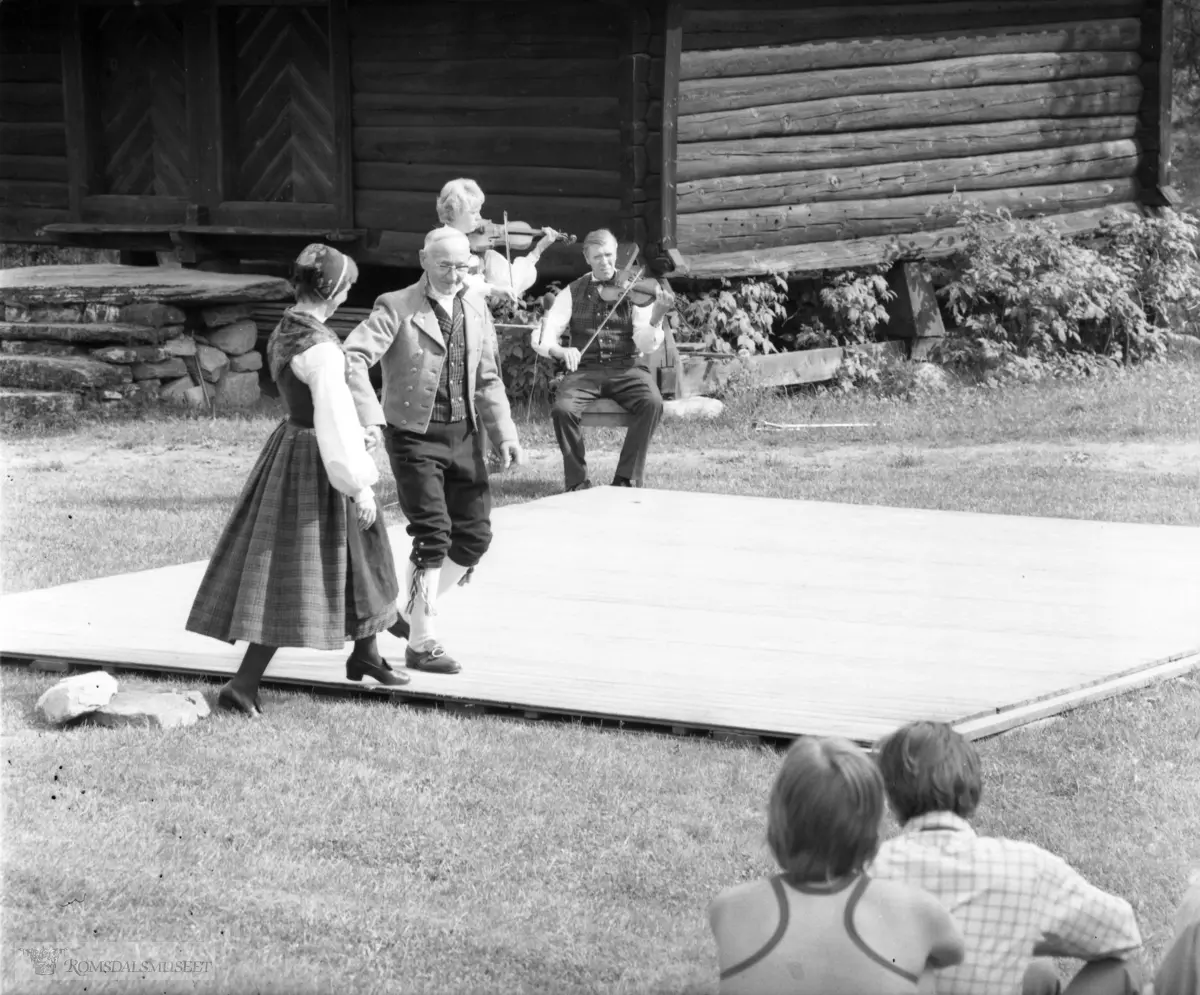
[
  {"x": 304, "y": 559},
  {"x": 459, "y": 206}
]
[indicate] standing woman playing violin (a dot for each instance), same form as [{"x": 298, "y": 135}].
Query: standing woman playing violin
[{"x": 458, "y": 206}]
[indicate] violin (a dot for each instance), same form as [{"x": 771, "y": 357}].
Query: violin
[
  {"x": 633, "y": 286},
  {"x": 517, "y": 234}
]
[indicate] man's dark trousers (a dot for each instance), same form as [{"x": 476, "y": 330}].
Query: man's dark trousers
[
  {"x": 634, "y": 390},
  {"x": 442, "y": 487}
]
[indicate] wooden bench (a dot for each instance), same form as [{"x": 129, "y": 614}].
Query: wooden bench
[{"x": 606, "y": 414}]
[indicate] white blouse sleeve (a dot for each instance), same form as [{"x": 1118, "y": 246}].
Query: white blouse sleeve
[
  {"x": 554, "y": 323},
  {"x": 646, "y": 337},
  {"x": 339, "y": 435},
  {"x": 519, "y": 277}
]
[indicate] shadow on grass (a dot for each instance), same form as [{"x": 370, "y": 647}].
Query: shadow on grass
[{"x": 506, "y": 489}]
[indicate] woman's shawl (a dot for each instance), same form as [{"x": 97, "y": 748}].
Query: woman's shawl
[{"x": 295, "y": 333}]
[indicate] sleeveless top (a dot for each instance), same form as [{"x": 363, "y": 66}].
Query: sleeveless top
[
  {"x": 613, "y": 348},
  {"x": 840, "y": 962}
]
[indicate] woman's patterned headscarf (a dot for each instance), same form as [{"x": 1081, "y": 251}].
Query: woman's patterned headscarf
[{"x": 323, "y": 271}]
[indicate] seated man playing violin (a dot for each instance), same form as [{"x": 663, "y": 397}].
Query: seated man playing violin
[
  {"x": 611, "y": 332},
  {"x": 458, "y": 206}
]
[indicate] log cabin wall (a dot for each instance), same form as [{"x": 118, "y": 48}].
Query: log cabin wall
[
  {"x": 525, "y": 98},
  {"x": 33, "y": 145},
  {"x": 808, "y": 127}
]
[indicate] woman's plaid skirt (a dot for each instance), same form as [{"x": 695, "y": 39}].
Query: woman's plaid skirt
[{"x": 292, "y": 568}]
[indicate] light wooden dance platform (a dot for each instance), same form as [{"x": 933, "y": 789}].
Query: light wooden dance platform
[{"x": 702, "y": 612}]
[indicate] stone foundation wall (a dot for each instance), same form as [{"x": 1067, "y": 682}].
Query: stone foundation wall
[{"x": 184, "y": 354}]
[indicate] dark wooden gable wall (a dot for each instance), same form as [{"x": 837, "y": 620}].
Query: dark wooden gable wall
[
  {"x": 811, "y": 127},
  {"x": 33, "y": 146},
  {"x": 525, "y": 98}
]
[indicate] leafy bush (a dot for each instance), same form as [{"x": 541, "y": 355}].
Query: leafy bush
[
  {"x": 527, "y": 376},
  {"x": 1023, "y": 293},
  {"x": 856, "y": 299},
  {"x": 736, "y": 317}
]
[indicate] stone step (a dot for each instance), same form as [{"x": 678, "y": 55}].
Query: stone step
[
  {"x": 93, "y": 333},
  {"x": 112, "y": 284},
  {"x": 35, "y": 405},
  {"x": 42, "y": 347},
  {"x": 60, "y": 373}
]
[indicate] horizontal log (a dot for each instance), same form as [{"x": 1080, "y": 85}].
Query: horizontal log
[
  {"x": 518, "y": 78},
  {"x": 47, "y": 168},
  {"x": 33, "y": 139},
  {"x": 31, "y": 193},
  {"x": 1122, "y": 35},
  {"x": 702, "y": 96},
  {"x": 418, "y": 211},
  {"x": 870, "y": 251},
  {"x": 529, "y": 180},
  {"x": 31, "y": 68},
  {"x": 21, "y": 33},
  {"x": 30, "y": 103},
  {"x": 1070, "y": 164},
  {"x": 381, "y": 47},
  {"x": 415, "y": 23},
  {"x": 699, "y": 160},
  {"x": 471, "y": 110},
  {"x": 762, "y": 228},
  {"x": 1091, "y": 97},
  {"x": 24, "y": 224},
  {"x": 458, "y": 148},
  {"x": 400, "y": 248},
  {"x": 733, "y": 28}
]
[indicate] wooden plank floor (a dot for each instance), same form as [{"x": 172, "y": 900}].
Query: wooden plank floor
[{"x": 731, "y": 613}]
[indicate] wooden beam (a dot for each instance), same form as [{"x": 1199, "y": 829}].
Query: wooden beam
[
  {"x": 673, "y": 54},
  {"x": 343, "y": 143},
  {"x": 1166, "y": 66},
  {"x": 847, "y": 253},
  {"x": 79, "y": 136},
  {"x": 204, "y": 111}
]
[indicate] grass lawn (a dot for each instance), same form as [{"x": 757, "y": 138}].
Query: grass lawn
[{"x": 351, "y": 846}]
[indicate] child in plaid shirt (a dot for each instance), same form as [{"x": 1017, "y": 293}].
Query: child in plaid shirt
[
  {"x": 1013, "y": 900},
  {"x": 823, "y": 926}
]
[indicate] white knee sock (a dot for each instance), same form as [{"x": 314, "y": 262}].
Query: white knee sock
[
  {"x": 422, "y": 599},
  {"x": 452, "y": 576}
]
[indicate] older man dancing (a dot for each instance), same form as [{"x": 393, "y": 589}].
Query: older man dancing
[
  {"x": 441, "y": 378},
  {"x": 610, "y": 364}
]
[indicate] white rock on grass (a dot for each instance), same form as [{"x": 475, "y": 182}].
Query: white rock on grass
[
  {"x": 75, "y": 696},
  {"x": 693, "y": 407},
  {"x": 152, "y": 709}
]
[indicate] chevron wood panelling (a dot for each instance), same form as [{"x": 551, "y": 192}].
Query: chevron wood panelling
[
  {"x": 284, "y": 149},
  {"x": 142, "y": 107}
]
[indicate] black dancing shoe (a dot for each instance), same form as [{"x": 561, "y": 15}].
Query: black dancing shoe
[
  {"x": 585, "y": 485},
  {"x": 432, "y": 661},
  {"x": 622, "y": 482},
  {"x": 357, "y": 668},
  {"x": 235, "y": 700},
  {"x": 399, "y": 628}
]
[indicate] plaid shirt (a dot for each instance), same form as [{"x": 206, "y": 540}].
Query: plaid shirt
[
  {"x": 449, "y": 403},
  {"x": 1008, "y": 898}
]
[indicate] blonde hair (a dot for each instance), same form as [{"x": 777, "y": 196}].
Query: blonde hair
[{"x": 457, "y": 197}]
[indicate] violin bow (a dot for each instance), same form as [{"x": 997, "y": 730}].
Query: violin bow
[
  {"x": 512, "y": 286},
  {"x": 624, "y": 294}
]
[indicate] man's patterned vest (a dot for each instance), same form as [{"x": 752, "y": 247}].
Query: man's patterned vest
[{"x": 613, "y": 348}]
